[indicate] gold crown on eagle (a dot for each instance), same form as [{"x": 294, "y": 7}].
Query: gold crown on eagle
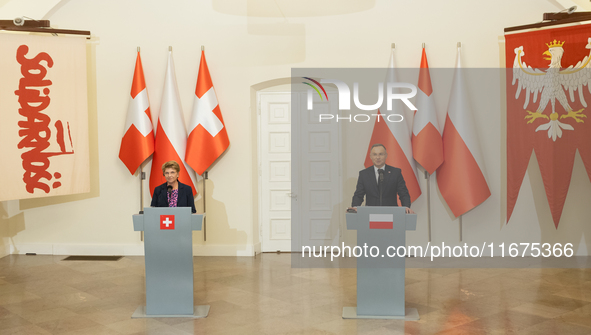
[{"x": 555, "y": 44}]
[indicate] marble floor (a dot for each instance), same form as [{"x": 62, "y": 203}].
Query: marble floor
[{"x": 264, "y": 295}]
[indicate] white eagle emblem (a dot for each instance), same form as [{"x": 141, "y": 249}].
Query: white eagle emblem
[{"x": 550, "y": 83}]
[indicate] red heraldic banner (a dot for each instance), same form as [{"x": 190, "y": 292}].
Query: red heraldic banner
[
  {"x": 43, "y": 116},
  {"x": 548, "y": 89},
  {"x": 137, "y": 143},
  {"x": 208, "y": 138}
]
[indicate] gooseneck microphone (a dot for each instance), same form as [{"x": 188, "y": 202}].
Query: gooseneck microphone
[
  {"x": 381, "y": 183},
  {"x": 169, "y": 194}
]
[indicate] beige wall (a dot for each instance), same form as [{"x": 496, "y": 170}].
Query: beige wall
[{"x": 245, "y": 51}]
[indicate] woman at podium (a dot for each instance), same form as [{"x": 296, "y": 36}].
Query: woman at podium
[{"x": 173, "y": 193}]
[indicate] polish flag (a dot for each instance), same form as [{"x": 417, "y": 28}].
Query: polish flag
[
  {"x": 171, "y": 136},
  {"x": 427, "y": 146},
  {"x": 137, "y": 143},
  {"x": 460, "y": 178},
  {"x": 381, "y": 221},
  {"x": 395, "y": 136},
  {"x": 208, "y": 138}
]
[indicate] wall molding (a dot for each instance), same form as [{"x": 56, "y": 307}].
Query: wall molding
[{"x": 123, "y": 249}]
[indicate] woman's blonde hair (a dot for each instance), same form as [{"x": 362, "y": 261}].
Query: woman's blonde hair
[{"x": 171, "y": 164}]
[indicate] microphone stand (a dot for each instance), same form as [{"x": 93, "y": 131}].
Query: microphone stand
[{"x": 381, "y": 185}]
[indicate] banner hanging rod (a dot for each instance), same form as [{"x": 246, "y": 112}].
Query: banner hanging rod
[
  {"x": 555, "y": 19},
  {"x": 37, "y": 26}
]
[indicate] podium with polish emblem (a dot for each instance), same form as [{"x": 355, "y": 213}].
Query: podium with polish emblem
[
  {"x": 380, "y": 279},
  {"x": 168, "y": 246}
]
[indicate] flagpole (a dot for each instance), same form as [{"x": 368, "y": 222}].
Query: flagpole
[
  {"x": 204, "y": 211},
  {"x": 461, "y": 227},
  {"x": 427, "y": 176},
  {"x": 142, "y": 177},
  {"x": 204, "y": 192},
  {"x": 428, "y": 203}
]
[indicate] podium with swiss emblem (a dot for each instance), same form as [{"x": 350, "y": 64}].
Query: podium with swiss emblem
[
  {"x": 380, "y": 279},
  {"x": 168, "y": 246}
]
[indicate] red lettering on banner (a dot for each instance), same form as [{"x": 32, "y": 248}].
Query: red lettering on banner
[{"x": 35, "y": 131}]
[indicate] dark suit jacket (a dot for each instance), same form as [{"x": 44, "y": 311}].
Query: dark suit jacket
[
  {"x": 393, "y": 185},
  {"x": 160, "y": 199}
]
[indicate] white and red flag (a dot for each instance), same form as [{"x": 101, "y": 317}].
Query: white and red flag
[
  {"x": 427, "y": 145},
  {"x": 208, "y": 138},
  {"x": 381, "y": 221},
  {"x": 461, "y": 178},
  {"x": 395, "y": 137},
  {"x": 137, "y": 143},
  {"x": 171, "y": 136}
]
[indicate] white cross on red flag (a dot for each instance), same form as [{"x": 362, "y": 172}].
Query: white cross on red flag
[
  {"x": 427, "y": 145},
  {"x": 137, "y": 143},
  {"x": 166, "y": 222},
  {"x": 208, "y": 138}
]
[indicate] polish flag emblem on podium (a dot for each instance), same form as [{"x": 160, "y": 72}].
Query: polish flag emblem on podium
[
  {"x": 381, "y": 221},
  {"x": 166, "y": 222}
]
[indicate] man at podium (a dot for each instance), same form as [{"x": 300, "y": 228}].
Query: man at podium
[
  {"x": 173, "y": 193},
  {"x": 380, "y": 184}
]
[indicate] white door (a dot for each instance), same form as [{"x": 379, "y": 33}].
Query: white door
[
  {"x": 275, "y": 170},
  {"x": 317, "y": 207}
]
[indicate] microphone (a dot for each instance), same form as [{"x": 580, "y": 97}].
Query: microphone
[
  {"x": 169, "y": 194},
  {"x": 381, "y": 183},
  {"x": 169, "y": 189}
]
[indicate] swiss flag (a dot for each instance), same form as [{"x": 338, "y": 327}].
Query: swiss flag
[
  {"x": 460, "y": 178},
  {"x": 208, "y": 138},
  {"x": 427, "y": 146},
  {"x": 137, "y": 143},
  {"x": 171, "y": 136},
  {"x": 166, "y": 222}
]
